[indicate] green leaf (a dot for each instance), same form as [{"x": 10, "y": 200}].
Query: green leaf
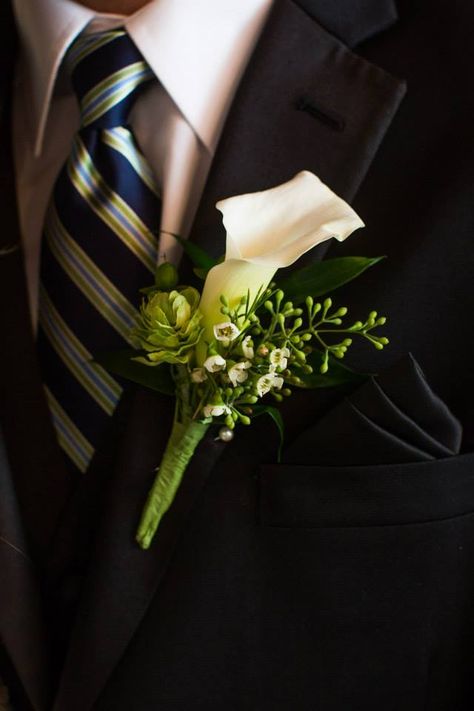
[
  {"x": 338, "y": 374},
  {"x": 324, "y": 277},
  {"x": 120, "y": 363},
  {"x": 199, "y": 257},
  {"x": 277, "y": 419}
]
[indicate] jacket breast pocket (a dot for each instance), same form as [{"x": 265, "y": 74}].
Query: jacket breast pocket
[
  {"x": 367, "y": 585},
  {"x": 307, "y": 496}
]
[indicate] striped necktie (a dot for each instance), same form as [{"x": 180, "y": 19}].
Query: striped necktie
[{"x": 99, "y": 244}]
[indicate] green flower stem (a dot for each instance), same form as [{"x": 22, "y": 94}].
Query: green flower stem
[{"x": 181, "y": 446}]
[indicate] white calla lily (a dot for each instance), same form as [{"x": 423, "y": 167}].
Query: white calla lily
[{"x": 269, "y": 230}]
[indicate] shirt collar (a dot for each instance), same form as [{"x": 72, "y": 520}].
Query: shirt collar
[{"x": 198, "y": 49}]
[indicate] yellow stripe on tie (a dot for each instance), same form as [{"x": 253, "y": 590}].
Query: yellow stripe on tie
[
  {"x": 67, "y": 343},
  {"x": 58, "y": 238},
  {"x": 76, "y": 446},
  {"x": 130, "y": 229},
  {"x": 121, "y": 140},
  {"x": 122, "y": 82}
]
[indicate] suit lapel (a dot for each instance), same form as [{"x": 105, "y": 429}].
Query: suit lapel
[
  {"x": 305, "y": 102},
  {"x": 32, "y": 486}
]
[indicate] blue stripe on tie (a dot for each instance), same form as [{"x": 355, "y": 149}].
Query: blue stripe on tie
[
  {"x": 91, "y": 378},
  {"x": 81, "y": 408},
  {"x": 100, "y": 292},
  {"x": 90, "y": 327}
]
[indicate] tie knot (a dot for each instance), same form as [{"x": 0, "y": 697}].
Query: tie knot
[{"x": 107, "y": 73}]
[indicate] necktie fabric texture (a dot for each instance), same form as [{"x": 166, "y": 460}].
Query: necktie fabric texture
[{"x": 99, "y": 244}]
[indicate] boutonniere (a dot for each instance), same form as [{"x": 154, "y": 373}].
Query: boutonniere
[{"x": 235, "y": 350}]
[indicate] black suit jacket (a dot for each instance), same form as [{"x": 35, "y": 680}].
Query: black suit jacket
[{"x": 301, "y": 585}]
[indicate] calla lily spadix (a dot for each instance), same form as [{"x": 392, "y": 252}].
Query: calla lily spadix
[{"x": 269, "y": 230}]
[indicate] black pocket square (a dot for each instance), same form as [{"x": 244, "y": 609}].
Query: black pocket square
[{"x": 395, "y": 418}]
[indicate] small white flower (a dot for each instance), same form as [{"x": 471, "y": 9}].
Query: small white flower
[
  {"x": 198, "y": 375},
  {"x": 268, "y": 382},
  {"x": 279, "y": 358},
  {"x": 247, "y": 347},
  {"x": 226, "y": 331},
  {"x": 215, "y": 410},
  {"x": 214, "y": 363},
  {"x": 237, "y": 374}
]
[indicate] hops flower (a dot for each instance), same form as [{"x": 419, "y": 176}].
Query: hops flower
[{"x": 169, "y": 326}]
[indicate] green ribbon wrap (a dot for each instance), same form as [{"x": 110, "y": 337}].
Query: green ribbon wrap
[{"x": 179, "y": 451}]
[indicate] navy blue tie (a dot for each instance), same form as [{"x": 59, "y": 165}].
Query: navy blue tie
[{"x": 99, "y": 245}]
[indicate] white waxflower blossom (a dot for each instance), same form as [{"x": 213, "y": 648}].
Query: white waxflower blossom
[
  {"x": 237, "y": 374},
  {"x": 214, "y": 363},
  {"x": 279, "y": 358},
  {"x": 198, "y": 375},
  {"x": 216, "y": 410},
  {"x": 247, "y": 347},
  {"x": 270, "y": 381},
  {"x": 226, "y": 331}
]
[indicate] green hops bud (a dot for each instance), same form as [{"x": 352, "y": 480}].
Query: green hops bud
[
  {"x": 228, "y": 392},
  {"x": 347, "y": 342},
  {"x": 307, "y": 369},
  {"x": 382, "y": 321},
  {"x": 306, "y": 337},
  {"x": 378, "y": 346},
  {"x": 245, "y": 420},
  {"x": 327, "y": 303},
  {"x": 234, "y": 416},
  {"x": 278, "y": 397},
  {"x": 230, "y": 422},
  {"x": 166, "y": 276},
  {"x": 342, "y": 311},
  {"x": 269, "y": 306},
  {"x": 309, "y": 302},
  {"x": 298, "y": 323},
  {"x": 288, "y": 306},
  {"x": 300, "y": 355},
  {"x": 286, "y": 392},
  {"x": 169, "y": 326},
  {"x": 384, "y": 341},
  {"x": 324, "y": 368},
  {"x": 223, "y": 299}
]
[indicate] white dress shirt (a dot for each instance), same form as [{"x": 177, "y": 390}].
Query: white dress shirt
[{"x": 198, "y": 49}]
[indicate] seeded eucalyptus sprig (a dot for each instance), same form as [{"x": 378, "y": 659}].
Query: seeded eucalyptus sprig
[{"x": 262, "y": 348}]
